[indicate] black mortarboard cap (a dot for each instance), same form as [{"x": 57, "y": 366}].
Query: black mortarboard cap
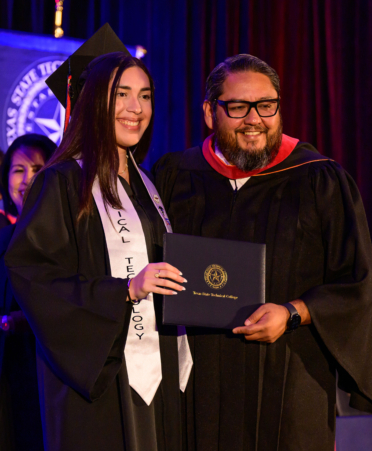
[{"x": 103, "y": 41}]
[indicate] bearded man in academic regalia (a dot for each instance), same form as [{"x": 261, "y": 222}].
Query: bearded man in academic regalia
[{"x": 270, "y": 384}]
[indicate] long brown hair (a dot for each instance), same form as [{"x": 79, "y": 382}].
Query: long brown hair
[{"x": 90, "y": 135}]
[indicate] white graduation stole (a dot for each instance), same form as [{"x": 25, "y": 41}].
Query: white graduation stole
[{"x": 128, "y": 256}]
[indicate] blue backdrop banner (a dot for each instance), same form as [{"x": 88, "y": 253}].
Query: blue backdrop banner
[{"x": 27, "y": 105}]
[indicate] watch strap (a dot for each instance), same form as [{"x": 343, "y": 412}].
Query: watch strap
[
  {"x": 294, "y": 319},
  {"x": 291, "y": 308}
]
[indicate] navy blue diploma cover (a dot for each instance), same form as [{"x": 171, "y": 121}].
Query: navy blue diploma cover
[{"x": 226, "y": 281}]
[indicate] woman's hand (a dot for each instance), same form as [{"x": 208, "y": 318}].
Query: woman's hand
[{"x": 153, "y": 278}]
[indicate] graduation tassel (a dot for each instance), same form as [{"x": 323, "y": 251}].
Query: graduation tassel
[
  {"x": 68, "y": 98},
  {"x": 68, "y": 104}
]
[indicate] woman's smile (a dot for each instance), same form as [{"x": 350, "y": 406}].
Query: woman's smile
[{"x": 130, "y": 124}]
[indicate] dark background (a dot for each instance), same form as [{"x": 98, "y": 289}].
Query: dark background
[{"x": 321, "y": 49}]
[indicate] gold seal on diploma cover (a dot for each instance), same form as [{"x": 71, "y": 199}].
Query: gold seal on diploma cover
[{"x": 215, "y": 276}]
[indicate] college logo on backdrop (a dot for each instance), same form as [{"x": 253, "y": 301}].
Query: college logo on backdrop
[{"x": 31, "y": 107}]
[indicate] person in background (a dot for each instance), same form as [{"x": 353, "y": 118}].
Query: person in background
[
  {"x": 20, "y": 423},
  {"x": 23, "y": 159}
]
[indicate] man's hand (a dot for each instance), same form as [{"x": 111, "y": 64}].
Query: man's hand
[{"x": 269, "y": 322}]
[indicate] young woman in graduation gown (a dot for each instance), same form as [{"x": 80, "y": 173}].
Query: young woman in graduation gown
[
  {"x": 91, "y": 219},
  {"x": 20, "y": 422}
]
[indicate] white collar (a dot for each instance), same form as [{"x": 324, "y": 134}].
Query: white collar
[{"x": 220, "y": 156}]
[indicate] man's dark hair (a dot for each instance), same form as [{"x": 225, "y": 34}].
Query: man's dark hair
[
  {"x": 40, "y": 142},
  {"x": 232, "y": 65}
]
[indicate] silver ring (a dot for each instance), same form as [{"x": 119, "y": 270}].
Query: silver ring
[{"x": 157, "y": 275}]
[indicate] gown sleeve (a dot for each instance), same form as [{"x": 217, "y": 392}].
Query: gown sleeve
[
  {"x": 341, "y": 308},
  {"x": 79, "y": 321}
]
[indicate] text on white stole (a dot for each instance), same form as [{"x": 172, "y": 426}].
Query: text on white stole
[{"x": 137, "y": 318}]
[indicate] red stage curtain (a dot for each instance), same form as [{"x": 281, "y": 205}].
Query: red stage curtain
[{"x": 322, "y": 52}]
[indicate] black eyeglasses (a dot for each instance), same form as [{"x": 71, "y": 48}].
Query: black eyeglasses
[{"x": 237, "y": 109}]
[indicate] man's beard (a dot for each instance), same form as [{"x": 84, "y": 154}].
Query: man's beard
[{"x": 248, "y": 159}]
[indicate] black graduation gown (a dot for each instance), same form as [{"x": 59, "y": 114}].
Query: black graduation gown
[
  {"x": 281, "y": 396},
  {"x": 20, "y": 422},
  {"x": 60, "y": 275}
]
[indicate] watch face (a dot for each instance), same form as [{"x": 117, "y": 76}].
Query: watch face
[{"x": 295, "y": 321}]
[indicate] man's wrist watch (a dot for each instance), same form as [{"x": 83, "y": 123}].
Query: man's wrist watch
[{"x": 294, "y": 320}]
